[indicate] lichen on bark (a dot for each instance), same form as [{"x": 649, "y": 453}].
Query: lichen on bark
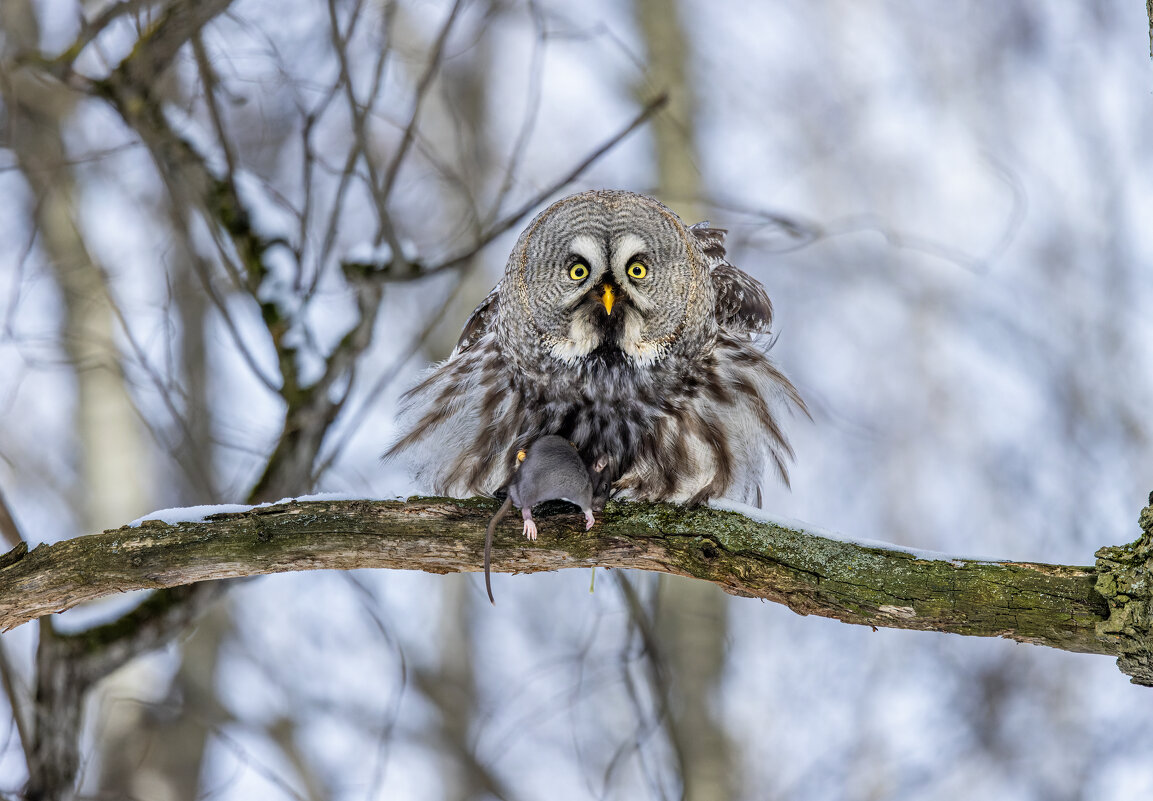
[{"x": 1123, "y": 579}]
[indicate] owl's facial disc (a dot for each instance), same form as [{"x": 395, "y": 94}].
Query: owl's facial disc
[
  {"x": 608, "y": 273},
  {"x": 615, "y": 301}
]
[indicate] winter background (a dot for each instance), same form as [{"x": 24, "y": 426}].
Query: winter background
[{"x": 950, "y": 206}]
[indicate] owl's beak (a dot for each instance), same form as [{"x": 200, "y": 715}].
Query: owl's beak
[{"x": 607, "y": 298}]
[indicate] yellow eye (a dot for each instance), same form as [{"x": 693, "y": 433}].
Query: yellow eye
[
  {"x": 637, "y": 270},
  {"x": 578, "y": 272}
]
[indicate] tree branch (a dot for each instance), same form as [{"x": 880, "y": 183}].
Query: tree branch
[
  {"x": 1124, "y": 581},
  {"x": 1149, "y": 12},
  {"x": 1054, "y": 605},
  {"x": 161, "y": 41},
  {"x": 67, "y": 665},
  {"x": 509, "y": 220}
]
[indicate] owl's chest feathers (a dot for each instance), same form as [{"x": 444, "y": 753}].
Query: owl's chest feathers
[
  {"x": 610, "y": 406},
  {"x": 605, "y": 383},
  {"x": 688, "y": 427}
]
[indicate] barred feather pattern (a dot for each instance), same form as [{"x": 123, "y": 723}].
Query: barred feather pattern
[
  {"x": 705, "y": 430},
  {"x": 696, "y": 423}
]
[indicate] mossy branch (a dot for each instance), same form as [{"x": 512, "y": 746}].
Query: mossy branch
[{"x": 1098, "y": 609}]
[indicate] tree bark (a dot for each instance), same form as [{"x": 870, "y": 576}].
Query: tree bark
[
  {"x": 1102, "y": 609},
  {"x": 1149, "y": 12}
]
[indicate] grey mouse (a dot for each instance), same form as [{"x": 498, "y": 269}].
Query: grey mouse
[{"x": 549, "y": 469}]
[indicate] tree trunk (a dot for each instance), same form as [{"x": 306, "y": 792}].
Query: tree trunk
[{"x": 691, "y": 618}]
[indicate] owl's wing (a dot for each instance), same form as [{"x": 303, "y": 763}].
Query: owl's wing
[
  {"x": 712, "y": 241},
  {"x": 743, "y": 306},
  {"x": 479, "y": 322}
]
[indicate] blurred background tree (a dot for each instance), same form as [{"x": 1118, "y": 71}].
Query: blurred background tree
[{"x": 236, "y": 230}]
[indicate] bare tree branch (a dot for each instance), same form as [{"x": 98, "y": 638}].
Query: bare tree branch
[
  {"x": 359, "y": 113},
  {"x": 9, "y": 531},
  {"x": 1060, "y": 606},
  {"x": 193, "y": 184},
  {"x": 311, "y": 409},
  {"x": 158, "y": 46},
  {"x": 1149, "y": 11},
  {"x": 514, "y": 217},
  {"x": 67, "y": 665},
  {"x": 422, "y": 87},
  {"x": 91, "y": 29},
  {"x": 17, "y": 700}
]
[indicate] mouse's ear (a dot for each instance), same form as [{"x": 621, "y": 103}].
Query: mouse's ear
[{"x": 600, "y": 464}]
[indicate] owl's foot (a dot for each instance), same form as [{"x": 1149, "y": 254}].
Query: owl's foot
[
  {"x": 589, "y": 520},
  {"x": 530, "y": 529}
]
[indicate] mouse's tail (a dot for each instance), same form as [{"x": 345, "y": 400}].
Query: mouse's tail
[{"x": 500, "y": 513}]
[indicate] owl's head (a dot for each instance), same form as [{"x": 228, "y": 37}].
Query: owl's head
[{"x": 608, "y": 271}]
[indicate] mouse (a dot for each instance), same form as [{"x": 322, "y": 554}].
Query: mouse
[{"x": 549, "y": 469}]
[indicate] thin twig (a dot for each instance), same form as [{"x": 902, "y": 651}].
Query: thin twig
[
  {"x": 386, "y": 230},
  {"x": 9, "y": 531},
  {"x": 204, "y": 274},
  {"x": 1149, "y": 13},
  {"x": 90, "y": 30},
  {"x": 507, "y": 222},
  {"x": 659, "y": 683},
  {"x": 19, "y": 713},
  {"x": 210, "y": 81},
  {"x": 422, "y": 88},
  {"x": 198, "y": 472},
  {"x": 532, "y": 110},
  {"x": 356, "y": 420}
]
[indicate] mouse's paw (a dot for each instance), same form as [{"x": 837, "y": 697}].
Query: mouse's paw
[
  {"x": 589, "y": 520},
  {"x": 530, "y": 529}
]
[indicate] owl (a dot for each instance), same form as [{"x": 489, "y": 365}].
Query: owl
[{"x": 628, "y": 333}]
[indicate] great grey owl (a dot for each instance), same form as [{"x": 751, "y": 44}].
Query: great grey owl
[{"x": 625, "y": 331}]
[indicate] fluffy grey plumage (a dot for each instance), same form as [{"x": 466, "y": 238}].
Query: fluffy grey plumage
[{"x": 659, "y": 376}]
